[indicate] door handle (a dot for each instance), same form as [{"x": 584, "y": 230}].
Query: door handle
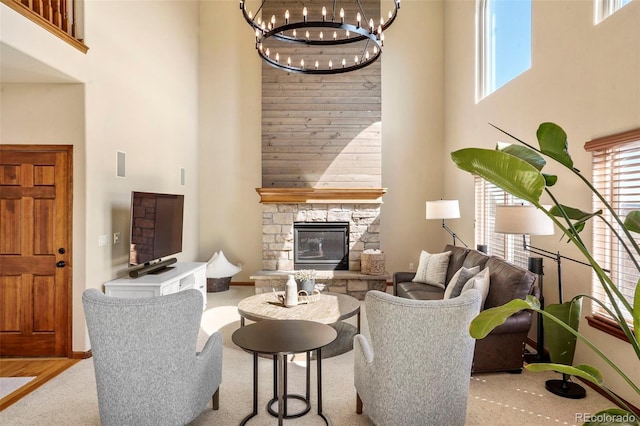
[{"x": 61, "y": 264}]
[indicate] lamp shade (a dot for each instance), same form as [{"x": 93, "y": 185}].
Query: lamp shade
[
  {"x": 443, "y": 209},
  {"x": 522, "y": 220}
]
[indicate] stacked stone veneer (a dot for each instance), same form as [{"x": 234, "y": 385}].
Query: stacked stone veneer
[
  {"x": 277, "y": 230},
  {"x": 277, "y": 241}
]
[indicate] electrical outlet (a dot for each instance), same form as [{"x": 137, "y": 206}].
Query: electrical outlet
[
  {"x": 116, "y": 237},
  {"x": 411, "y": 266},
  {"x": 102, "y": 240}
]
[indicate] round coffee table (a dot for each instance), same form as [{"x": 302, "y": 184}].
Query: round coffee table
[
  {"x": 280, "y": 338},
  {"x": 328, "y": 308}
]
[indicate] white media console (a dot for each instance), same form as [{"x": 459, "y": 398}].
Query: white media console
[{"x": 177, "y": 277}]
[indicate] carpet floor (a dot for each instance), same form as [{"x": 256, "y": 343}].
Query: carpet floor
[{"x": 496, "y": 399}]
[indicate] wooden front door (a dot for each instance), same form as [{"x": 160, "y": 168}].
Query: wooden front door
[{"x": 35, "y": 250}]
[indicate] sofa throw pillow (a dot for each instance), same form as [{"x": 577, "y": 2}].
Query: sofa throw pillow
[
  {"x": 432, "y": 268},
  {"x": 480, "y": 282},
  {"x": 459, "y": 279}
]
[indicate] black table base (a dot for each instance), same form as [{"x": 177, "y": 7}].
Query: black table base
[{"x": 286, "y": 396}]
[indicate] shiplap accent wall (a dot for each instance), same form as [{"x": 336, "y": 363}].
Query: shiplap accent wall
[{"x": 322, "y": 131}]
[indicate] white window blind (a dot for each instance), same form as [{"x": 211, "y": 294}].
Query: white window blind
[
  {"x": 605, "y": 8},
  {"x": 616, "y": 175},
  {"x": 509, "y": 247}
]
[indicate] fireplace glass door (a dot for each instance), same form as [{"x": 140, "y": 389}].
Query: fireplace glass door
[{"x": 321, "y": 245}]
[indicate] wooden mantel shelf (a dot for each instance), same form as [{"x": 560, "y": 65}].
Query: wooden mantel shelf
[{"x": 321, "y": 195}]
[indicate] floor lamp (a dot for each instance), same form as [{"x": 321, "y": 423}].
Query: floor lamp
[
  {"x": 445, "y": 209},
  {"x": 528, "y": 220}
]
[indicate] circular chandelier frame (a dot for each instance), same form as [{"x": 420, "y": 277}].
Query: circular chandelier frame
[{"x": 370, "y": 35}]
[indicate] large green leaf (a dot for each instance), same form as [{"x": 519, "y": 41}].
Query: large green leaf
[
  {"x": 632, "y": 221},
  {"x": 587, "y": 372},
  {"x": 523, "y": 153},
  {"x": 489, "y": 319},
  {"x": 573, "y": 213},
  {"x": 561, "y": 343},
  {"x": 612, "y": 417},
  {"x": 553, "y": 142},
  {"x": 580, "y": 216},
  {"x": 510, "y": 173}
]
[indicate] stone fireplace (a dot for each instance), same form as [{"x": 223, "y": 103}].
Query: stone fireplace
[
  {"x": 278, "y": 230},
  {"x": 280, "y": 213}
]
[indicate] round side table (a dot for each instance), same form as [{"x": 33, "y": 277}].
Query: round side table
[{"x": 281, "y": 338}]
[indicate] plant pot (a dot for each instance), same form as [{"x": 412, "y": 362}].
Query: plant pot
[
  {"x": 307, "y": 285},
  {"x": 561, "y": 343}
]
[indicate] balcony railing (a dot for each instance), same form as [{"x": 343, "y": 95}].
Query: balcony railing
[{"x": 59, "y": 17}]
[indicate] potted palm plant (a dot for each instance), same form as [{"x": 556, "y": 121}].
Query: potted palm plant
[{"x": 517, "y": 169}]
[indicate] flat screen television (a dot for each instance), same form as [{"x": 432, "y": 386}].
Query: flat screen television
[{"x": 156, "y": 226}]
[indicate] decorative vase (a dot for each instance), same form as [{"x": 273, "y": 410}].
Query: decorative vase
[
  {"x": 307, "y": 285},
  {"x": 291, "y": 292}
]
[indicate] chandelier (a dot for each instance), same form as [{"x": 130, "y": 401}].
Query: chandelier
[{"x": 315, "y": 39}]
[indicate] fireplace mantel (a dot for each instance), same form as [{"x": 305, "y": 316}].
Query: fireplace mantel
[{"x": 321, "y": 195}]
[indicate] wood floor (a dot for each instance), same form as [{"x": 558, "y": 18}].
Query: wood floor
[{"x": 44, "y": 369}]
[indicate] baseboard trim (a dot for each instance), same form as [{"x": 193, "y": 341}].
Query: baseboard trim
[{"x": 81, "y": 355}]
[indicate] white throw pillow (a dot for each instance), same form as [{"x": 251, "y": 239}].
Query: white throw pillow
[
  {"x": 432, "y": 268},
  {"x": 458, "y": 281},
  {"x": 480, "y": 282}
]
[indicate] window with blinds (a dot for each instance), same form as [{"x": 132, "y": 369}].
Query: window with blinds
[
  {"x": 616, "y": 175},
  {"x": 509, "y": 247}
]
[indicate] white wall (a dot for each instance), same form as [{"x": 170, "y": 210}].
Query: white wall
[
  {"x": 140, "y": 96},
  {"x": 583, "y": 77},
  {"x": 230, "y": 138},
  {"x": 413, "y": 134}
]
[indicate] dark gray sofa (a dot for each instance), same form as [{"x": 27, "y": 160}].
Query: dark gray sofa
[{"x": 503, "y": 348}]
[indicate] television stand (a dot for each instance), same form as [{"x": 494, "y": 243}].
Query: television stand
[{"x": 181, "y": 276}]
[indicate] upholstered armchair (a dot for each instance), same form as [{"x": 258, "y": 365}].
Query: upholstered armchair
[
  {"x": 417, "y": 366},
  {"x": 144, "y": 354}
]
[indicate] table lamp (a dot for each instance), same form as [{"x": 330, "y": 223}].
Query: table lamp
[{"x": 445, "y": 209}]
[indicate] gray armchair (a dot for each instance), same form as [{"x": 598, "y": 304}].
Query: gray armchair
[
  {"x": 417, "y": 366},
  {"x": 144, "y": 354}
]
